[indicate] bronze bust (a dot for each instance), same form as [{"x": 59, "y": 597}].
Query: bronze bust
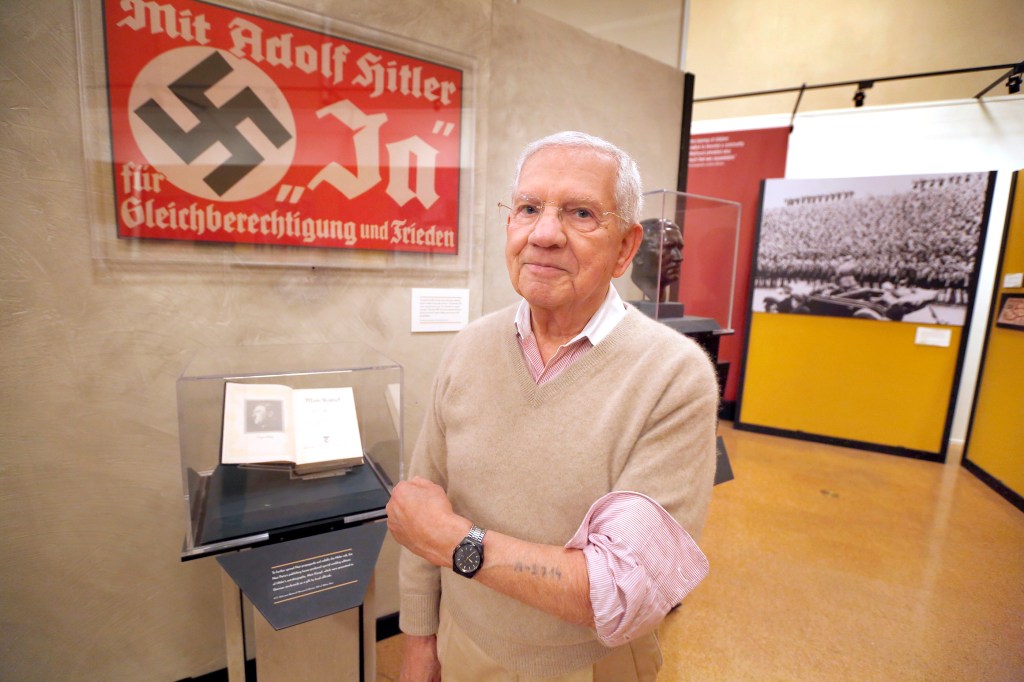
[{"x": 657, "y": 262}]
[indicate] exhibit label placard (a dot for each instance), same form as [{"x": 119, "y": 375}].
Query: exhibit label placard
[
  {"x": 439, "y": 310},
  {"x": 231, "y": 127},
  {"x": 301, "y": 580}
]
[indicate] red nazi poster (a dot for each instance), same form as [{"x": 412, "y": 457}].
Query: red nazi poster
[{"x": 229, "y": 127}]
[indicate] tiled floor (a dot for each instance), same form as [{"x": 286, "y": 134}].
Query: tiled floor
[{"x": 835, "y": 564}]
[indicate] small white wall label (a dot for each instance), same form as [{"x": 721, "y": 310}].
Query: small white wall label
[
  {"x": 930, "y": 336},
  {"x": 439, "y": 310}
]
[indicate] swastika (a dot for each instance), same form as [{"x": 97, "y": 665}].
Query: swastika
[{"x": 216, "y": 124}]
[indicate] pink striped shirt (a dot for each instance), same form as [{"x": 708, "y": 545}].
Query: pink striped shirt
[{"x": 640, "y": 561}]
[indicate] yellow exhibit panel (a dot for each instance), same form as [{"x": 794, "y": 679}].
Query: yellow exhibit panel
[
  {"x": 849, "y": 379},
  {"x": 995, "y": 442},
  {"x": 997, "y": 434}
]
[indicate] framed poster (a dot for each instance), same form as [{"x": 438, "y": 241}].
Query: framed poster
[
  {"x": 1011, "y": 312},
  {"x": 896, "y": 248},
  {"x": 285, "y": 136}
]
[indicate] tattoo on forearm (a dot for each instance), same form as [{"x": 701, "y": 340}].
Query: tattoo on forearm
[{"x": 540, "y": 571}]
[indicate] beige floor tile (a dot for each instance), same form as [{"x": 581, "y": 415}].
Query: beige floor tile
[{"x": 830, "y": 563}]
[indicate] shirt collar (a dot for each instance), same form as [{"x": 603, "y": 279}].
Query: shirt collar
[{"x": 596, "y": 330}]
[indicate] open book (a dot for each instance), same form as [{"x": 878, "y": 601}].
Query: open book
[{"x": 308, "y": 430}]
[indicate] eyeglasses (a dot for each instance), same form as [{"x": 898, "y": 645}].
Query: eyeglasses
[{"x": 526, "y": 212}]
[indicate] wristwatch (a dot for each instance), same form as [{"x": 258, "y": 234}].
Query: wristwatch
[{"x": 468, "y": 556}]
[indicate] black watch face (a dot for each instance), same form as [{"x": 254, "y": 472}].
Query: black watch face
[{"x": 467, "y": 558}]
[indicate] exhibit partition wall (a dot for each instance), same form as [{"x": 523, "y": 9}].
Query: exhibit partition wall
[
  {"x": 860, "y": 290},
  {"x": 936, "y": 138},
  {"x": 95, "y": 337},
  {"x": 995, "y": 440}
]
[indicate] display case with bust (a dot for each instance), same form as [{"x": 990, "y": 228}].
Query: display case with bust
[{"x": 685, "y": 268}]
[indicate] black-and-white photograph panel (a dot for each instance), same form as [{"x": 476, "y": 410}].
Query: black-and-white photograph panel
[{"x": 901, "y": 248}]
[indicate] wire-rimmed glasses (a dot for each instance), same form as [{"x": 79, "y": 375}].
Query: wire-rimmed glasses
[{"x": 579, "y": 216}]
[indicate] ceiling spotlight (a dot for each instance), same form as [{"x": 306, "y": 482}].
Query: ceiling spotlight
[
  {"x": 858, "y": 97},
  {"x": 1013, "y": 82}
]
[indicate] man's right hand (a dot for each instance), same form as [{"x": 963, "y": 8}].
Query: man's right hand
[{"x": 420, "y": 662}]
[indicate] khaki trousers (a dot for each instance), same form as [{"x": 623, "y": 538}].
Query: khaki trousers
[{"x": 463, "y": 661}]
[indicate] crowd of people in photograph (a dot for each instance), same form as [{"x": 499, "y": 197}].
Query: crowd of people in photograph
[{"x": 925, "y": 238}]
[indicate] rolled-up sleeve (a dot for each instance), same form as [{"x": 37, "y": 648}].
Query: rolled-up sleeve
[{"x": 640, "y": 561}]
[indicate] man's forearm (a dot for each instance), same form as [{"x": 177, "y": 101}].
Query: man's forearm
[{"x": 547, "y": 577}]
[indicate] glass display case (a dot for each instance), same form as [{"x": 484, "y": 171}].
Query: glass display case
[
  {"x": 686, "y": 265},
  {"x": 685, "y": 268},
  {"x": 244, "y": 411}
]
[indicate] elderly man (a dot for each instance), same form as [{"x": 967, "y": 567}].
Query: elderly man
[{"x": 565, "y": 464}]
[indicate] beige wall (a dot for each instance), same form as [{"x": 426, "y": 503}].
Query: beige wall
[
  {"x": 736, "y": 46},
  {"x": 746, "y": 45},
  {"x": 585, "y": 92},
  {"x": 91, "y": 514},
  {"x": 650, "y": 27}
]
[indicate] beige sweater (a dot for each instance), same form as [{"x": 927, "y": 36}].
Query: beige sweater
[{"x": 637, "y": 412}]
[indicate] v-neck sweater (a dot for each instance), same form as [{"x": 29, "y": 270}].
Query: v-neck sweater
[{"x": 637, "y": 412}]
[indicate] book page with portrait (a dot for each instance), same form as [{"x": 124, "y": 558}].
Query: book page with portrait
[{"x": 309, "y": 429}]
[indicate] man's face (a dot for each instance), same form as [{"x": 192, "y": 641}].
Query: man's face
[{"x": 556, "y": 268}]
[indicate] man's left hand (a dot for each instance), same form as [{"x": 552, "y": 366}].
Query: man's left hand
[{"x": 421, "y": 519}]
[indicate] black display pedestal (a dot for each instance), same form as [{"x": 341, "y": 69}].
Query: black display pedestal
[
  {"x": 703, "y": 330},
  {"x": 338, "y": 646},
  {"x": 306, "y": 585}
]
